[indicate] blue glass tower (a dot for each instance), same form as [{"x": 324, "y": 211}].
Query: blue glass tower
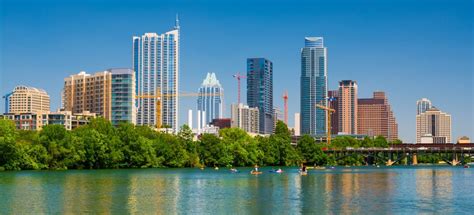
[
  {"x": 260, "y": 91},
  {"x": 211, "y": 98},
  {"x": 156, "y": 65},
  {"x": 313, "y": 86}
]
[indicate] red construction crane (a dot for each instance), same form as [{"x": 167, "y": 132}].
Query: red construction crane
[
  {"x": 238, "y": 77},
  {"x": 285, "y": 101}
]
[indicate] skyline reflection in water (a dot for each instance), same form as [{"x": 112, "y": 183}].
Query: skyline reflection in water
[{"x": 431, "y": 189}]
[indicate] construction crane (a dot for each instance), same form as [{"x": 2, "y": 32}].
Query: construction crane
[
  {"x": 238, "y": 77},
  {"x": 329, "y": 111},
  {"x": 285, "y": 102},
  {"x": 158, "y": 97}
]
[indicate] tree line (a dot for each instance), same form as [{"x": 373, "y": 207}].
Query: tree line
[{"x": 99, "y": 145}]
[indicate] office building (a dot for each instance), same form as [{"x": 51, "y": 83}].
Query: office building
[
  {"x": 260, "y": 91},
  {"x": 435, "y": 123},
  {"x": 36, "y": 121},
  {"x": 24, "y": 99},
  {"x": 156, "y": 64},
  {"x": 313, "y": 89},
  {"x": 464, "y": 140},
  {"x": 375, "y": 117},
  {"x": 277, "y": 116},
  {"x": 211, "y": 98},
  {"x": 347, "y": 107},
  {"x": 245, "y": 117},
  {"x": 222, "y": 123},
  {"x": 423, "y": 105},
  {"x": 108, "y": 94},
  {"x": 333, "y": 103}
]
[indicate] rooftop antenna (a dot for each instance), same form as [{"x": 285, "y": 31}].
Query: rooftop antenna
[{"x": 177, "y": 22}]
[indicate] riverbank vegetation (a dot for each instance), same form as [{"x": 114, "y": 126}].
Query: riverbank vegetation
[{"x": 100, "y": 145}]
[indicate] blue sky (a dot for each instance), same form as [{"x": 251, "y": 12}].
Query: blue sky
[{"x": 409, "y": 49}]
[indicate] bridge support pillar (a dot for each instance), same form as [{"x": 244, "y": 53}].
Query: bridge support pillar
[
  {"x": 389, "y": 162},
  {"x": 455, "y": 160},
  {"x": 415, "y": 159}
]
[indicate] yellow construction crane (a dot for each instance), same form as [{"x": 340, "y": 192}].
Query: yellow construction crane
[
  {"x": 158, "y": 96},
  {"x": 329, "y": 111}
]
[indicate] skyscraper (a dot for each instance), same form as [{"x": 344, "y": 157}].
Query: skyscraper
[
  {"x": 156, "y": 64},
  {"x": 433, "y": 123},
  {"x": 260, "y": 91},
  {"x": 24, "y": 99},
  {"x": 313, "y": 86},
  {"x": 422, "y": 105},
  {"x": 347, "y": 107},
  {"x": 375, "y": 117},
  {"x": 211, "y": 98},
  {"x": 108, "y": 94}
]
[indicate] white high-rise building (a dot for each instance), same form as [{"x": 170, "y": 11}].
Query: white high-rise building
[
  {"x": 211, "y": 98},
  {"x": 245, "y": 117},
  {"x": 156, "y": 64},
  {"x": 423, "y": 105},
  {"x": 297, "y": 124},
  {"x": 433, "y": 123}
]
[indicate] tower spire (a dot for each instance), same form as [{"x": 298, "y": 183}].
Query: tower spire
[{"x": 176, "y": 22}]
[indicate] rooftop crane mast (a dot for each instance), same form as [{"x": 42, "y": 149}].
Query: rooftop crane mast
[
  {"x": 329, "y": 111},
  {"x": 238, "y": 77}
]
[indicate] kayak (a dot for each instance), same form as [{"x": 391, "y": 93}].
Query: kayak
[
  {"x": 275, "y": 171},
  {"x": 255, "y": 173},
  {"x": 303, "y": 173}
]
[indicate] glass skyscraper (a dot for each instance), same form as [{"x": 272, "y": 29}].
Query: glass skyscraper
[
  {"x": 313, "y": 86},
  {"x": 211, "y": 98},
  {"x": 260, "y": 91},
  {"x": 156, "y": 64}
]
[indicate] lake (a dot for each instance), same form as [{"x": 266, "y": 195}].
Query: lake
[{"x": 356, "y": 190}]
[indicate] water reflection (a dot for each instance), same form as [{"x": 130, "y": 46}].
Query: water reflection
[{"x": 172, "y": 191}]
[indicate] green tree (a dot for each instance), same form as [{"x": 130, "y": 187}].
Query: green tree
[
  {"x": 61, "y": 153},
  {"x": 380, "y": 141},
  {"x": 310, "y": 151}
]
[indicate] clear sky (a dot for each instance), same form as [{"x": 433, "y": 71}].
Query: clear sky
[{"x": 409, "y": 49}]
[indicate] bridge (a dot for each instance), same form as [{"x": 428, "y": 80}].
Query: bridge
[{"x": 453, "y": 154}]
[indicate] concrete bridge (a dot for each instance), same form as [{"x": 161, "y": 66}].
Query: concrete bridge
[{"x": 453, "y": 154}]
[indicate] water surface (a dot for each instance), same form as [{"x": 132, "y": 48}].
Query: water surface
[{"x": 407, "y": 190}]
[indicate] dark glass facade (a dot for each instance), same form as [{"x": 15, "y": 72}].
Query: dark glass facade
[{"x": 260, "y": 91}]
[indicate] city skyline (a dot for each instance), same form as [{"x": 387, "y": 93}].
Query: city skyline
[{"x": 428, "y": 64}]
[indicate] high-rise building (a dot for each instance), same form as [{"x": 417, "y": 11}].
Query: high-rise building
[
  {"x": 245, "y": 117},
  {"x": 423, "y": 105},
  {"x": 108, "y": 94},
  {"x": 297, "y": 124},
  {"x": 334, "y": 104},
  {"x": 347, "y": 107},
  {"x": 260, "y": 91},
  {"x": 211, "y": 98},
  {"x": 156, "y": 64},
  {"x": 313, "y": 86},
  {"x": 24, "y": 99},
  {"x": 375, "y": 117},
  {"x": 435, "y": 123}
]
